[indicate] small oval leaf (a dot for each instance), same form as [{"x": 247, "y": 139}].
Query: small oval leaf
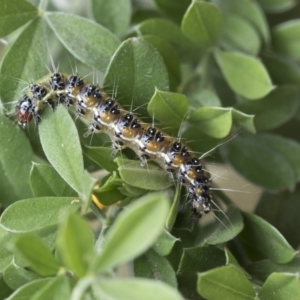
[
  {"x": 45, "y": 181},
  {"x": 60, "y": 142},
  {"x": 14, "y": 14},
  {"x": 36, "y": 213},
  {"x": 213, "y": 121},
  {"x": 267, "y": 239},
  {"x": 142, "y": 221},
  {"x": 280, "y": 286},
  {"x": 142, "y": 70},
  {"x": 255, "y": 158},
  {"x": 245, "y": 74},
  {"x": 75, "y": 243},
  {"x": 168, "y": 108},
  {"x": 114, "y": 14},
  {"x": 285, "y": 39},
  {"x": 148, "y": 178},
  {"x": 228, "y": 282},
  {"x": 134, "y": 289},
  {"x": 36, "y": 254},
  {"x": 89, "y": 42},
  {"x": 273, "y": 110},
  {"x": 202, "y": 23}
]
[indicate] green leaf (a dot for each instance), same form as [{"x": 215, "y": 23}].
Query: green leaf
[
  {"x": 255, "y": 156},
  {"x": 169, "y": 56},
  {"x": 230, "y": 259},
  {"x": 239, "y": 35},
  {"x": 174, "y": 208},
  {"x": 168, "y": 108},
  {"x": 30, "y": 290},
  {"x": 281, "y": 69},
  {"x": 108, "y": 193},
  {"x": 58, "y": 287},
  {"x": 193, "y": 260},
  {"x": 164, "y": 244},
  {"x": 221, "y": 231},
  {"x": 131, "y": 191},
  {"x": 133, "y": 232},
  {"x": 202, "y": 23},
  {"x": 288, "y": 148},
  {"x": 172, "y": 33},
  {"x": 38, "y": 257},
  {"x": 260, "y": 270},
  {"x": 36, "y": 213},
  {"x": 283, "y": 215},
  {"x": 15, "y": 162},
  {"x": 266, "y": 239},
  {"x": 280, "y": 286},
  {"x": 213, "y": 121},
  {"x": 5, "y": 290},
  {"x": 273, "y": 110},
  {"x": 45, "y": 181},
  {"x": 227, "y": 282},
  {"x": 88, "y": 185},
  {"x": 250, "y": 79},
  {"x": 245, "y": 121},
  {"x": 25, "y": 60},
  {"x": 142, "y": 70},
  {"x": 251, "y": 12},
  {"x": 61, "y": 145},
  {"x": 48, "y": 235},
  {"x": 277, "y": 6},
  {"x": 173, "y": 9},
  {"x": 101, "y": 156},
  {"x": 114, "y": 14},
  {"x": 5, "y": 253},
  {"x": 15, "y": 276},
  {"x": 202, "y": 97},
  {"x": 285, "y": 39},
  {"x": 75, "y": 244},
  {"x": 134, "y": 289},
  {"x": 14, "y": 14},
  {"x": 89, "y": 42},
  {"x": 149, "y": 178},
  {"x": 153, "y": 266}
]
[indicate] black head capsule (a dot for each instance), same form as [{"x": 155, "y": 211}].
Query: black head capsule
[
  {"x": 24, "y": 111},
  {"x": 135, "y": 124}
]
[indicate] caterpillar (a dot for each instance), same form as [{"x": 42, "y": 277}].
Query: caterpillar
[{"x": 105, "y": 114}]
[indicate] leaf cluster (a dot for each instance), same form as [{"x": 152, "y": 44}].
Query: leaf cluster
[{"x": 206, "y": 69}]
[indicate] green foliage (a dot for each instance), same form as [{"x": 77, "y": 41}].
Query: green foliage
[{"x": 210, "y": 70}]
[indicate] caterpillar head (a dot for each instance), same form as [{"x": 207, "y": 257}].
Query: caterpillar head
[{"x": 24, "y": 111}]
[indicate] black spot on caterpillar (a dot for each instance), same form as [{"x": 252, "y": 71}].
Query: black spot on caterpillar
[{"x": 125, "y": 129}]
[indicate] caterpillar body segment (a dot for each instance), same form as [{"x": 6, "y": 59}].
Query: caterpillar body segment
[{"x": 125, "y": 129}]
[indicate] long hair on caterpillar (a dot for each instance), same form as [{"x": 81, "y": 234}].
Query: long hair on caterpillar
[{"x": 105, "y": 114}]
